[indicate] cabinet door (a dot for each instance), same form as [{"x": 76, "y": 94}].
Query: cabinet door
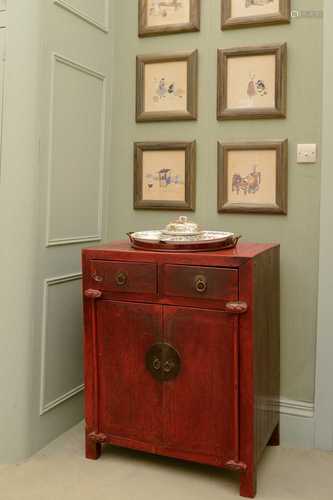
[
  {"x": 130, "y": 398},
  {"x": 201, "y": 404}
]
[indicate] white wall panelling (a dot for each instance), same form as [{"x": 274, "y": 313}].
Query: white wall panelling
[
  {"x": 76, "y": 153},
  {"x": 62, "y": 357},
  {"x": 94, "y": 12}
]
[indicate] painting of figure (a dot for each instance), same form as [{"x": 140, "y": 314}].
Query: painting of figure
[
  {"x": 165, "y": 12},
  {"x": 250, "y": 184},
  {"x": 163, "y": 175},
  {"x": 251, "y": 82},
  {"x": 166, "y": 86},
  {"x": 243, "y": 8},
  {"x": 165, "y": 17},
  {"x": 247, "y": 13},
  {"x": 252, "y": 176},
  {"x": 167, "y": 90},
  {"x": 163, "y": 8},
  {"x": 163, "y": 179},
  {"x": 255, "y": 88}
]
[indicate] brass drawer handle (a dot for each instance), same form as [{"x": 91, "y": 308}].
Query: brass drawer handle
[
  {"x": 96, "y": 277},
  {"x": 200, "y": 283},
  {"x": 121, "y": 278}
]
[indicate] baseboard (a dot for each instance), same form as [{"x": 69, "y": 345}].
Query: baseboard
[{"x": 297, "y": 424}]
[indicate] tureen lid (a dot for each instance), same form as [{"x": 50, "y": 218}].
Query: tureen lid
[{"x": 182, "y": 227}]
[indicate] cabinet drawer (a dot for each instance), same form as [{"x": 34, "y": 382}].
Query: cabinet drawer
[
  {"x": 207, "y": 283},
  {"x": 124, "y": 277}
]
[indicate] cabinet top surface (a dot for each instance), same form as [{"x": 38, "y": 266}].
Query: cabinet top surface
[{"x": 122, "y": 250}]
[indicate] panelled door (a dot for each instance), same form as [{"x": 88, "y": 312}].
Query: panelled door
[
  {"x": 207, "y": 384},
  {"x": 75, "y": 113}
]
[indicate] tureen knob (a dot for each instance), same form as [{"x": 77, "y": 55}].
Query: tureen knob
[{"x": 183, "y": 219}]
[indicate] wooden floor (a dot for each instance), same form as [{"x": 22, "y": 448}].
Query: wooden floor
[{"x": 60, "y": 472}]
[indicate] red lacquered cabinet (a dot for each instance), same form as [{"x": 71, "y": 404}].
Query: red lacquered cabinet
[{"x": 182, "y": 353}]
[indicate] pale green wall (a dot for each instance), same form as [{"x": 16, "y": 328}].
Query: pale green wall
[
  {"x": 324, "y": 399},
  {"x": 297, "y": 233}
]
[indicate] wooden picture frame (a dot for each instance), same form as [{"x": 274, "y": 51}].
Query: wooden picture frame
[
  {"x": 282, "y": 16},
  {"x": 180, "y": 26},
  {"x": 158, "y": 95},
  {"x": 182, "y": 198},
  {"x": 239, "y": 193},
  {"x": 246, "y": 82}
]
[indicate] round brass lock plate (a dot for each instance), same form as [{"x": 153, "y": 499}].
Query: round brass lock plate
[{"x": 163, "y": 362}]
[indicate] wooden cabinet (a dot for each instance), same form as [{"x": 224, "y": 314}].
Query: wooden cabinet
[{"x": 182, "y": 354}]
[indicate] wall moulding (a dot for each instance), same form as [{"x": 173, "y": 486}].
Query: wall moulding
[
  {"x": 101, "y": 25},
  {"x": 79, "y": 238},
  {"x": 296, "y": 408},
  {"x": 46, "y": 406}
]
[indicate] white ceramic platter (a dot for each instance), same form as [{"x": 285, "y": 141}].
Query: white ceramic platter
[{"x": 159, "y": 236}]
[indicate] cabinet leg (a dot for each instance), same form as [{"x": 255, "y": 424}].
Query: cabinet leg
[
  {"x": 93, "y": 448},
  {"x": 248, "y": 483},
  {"x": 275, "y": 438}
]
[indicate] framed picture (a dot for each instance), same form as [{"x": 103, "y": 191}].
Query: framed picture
[
  {"x": 252, "y": 82},
  {"x": 164, "y": 17},
  {"x": 253, "y": 177},
  {"x": 164, "y": 175},
  {"x": 167, "y": 87},
  {"x": 247, "y": 13}
]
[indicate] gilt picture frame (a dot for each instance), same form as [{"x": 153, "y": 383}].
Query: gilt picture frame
[
  {"x": 167, "y": 87},
  {"x": 251, "y": 13},
  {"x": 253, "y": 177},
  {"x": 165, "y": 175},
  {"x": 252, "y": 82},
  {"x": 166, "y": 17}
]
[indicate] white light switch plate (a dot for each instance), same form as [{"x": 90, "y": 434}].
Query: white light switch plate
[{"x": 307, "y": 153}]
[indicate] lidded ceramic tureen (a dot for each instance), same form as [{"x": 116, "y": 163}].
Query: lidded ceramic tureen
[
  {"x": 182, "y": 235},
  {"x": 182, "y": 227}
]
